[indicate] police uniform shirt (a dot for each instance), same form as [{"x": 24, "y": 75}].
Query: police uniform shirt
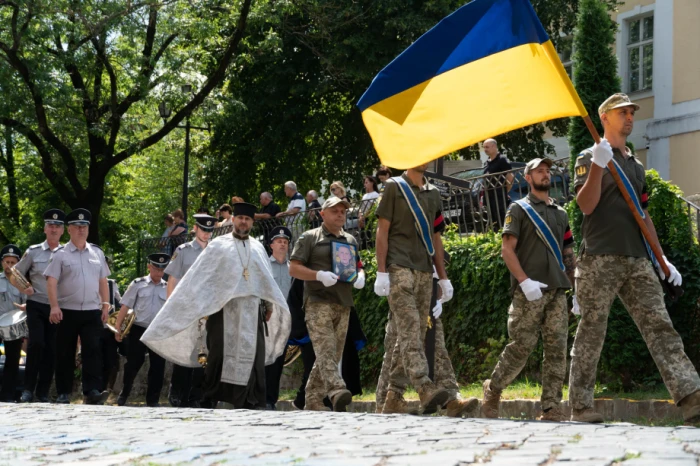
[
  {"x": 182, "y": 260},
  {"x": 611, "y": 228},
  {"x": 78, "y": 273},
  {"x": 280, "y": 272},
  {"x": 9, "y": 295},
  {"x": 146, "y": 298},
  {"x": 534, "y": 256},
  {"x": 34, "y": 261}
]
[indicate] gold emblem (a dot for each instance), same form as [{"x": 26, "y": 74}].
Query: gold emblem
[
  {"x": 581, "y": 170},
  {"x": 508, "y": 219},
  {"x": 174, "y": 256},
  {"x": 81, "y": 216}
]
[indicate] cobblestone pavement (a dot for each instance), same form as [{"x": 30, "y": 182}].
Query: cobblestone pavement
[{"x": 106, "y": 435}]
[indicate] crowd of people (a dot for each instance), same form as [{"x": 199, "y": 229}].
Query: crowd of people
[{"x": 230, "y": 314}]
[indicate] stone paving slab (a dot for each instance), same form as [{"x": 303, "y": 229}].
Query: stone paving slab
[{"x": 33, "y": 434}]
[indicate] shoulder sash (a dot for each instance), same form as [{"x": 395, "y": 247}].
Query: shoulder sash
[
  {"x": 635, "y": 199},
  {"x": 421, "y": 221},
  {"x": 543, "y": 231}
]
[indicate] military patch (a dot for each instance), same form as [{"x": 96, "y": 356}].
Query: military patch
[
  {"x": 174, "y": 255},
  {"x": 581, "y": 170},
  {"x": 508, "y": 219}
]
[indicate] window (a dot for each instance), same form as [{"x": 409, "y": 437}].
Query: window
[
  {"x": 566, "y": 51},
  {"x": 640, "y": 54}
]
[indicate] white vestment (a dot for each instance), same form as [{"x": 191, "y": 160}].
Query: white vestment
[{"x": 214, "y": 282}]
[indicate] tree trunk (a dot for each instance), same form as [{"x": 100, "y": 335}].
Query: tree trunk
[{"x": 11, "y": 180}]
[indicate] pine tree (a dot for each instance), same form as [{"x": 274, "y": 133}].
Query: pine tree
[{"x": 595, "y": 78}]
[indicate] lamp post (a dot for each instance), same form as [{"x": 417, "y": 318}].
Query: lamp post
[{"x": 164, "y": 110}]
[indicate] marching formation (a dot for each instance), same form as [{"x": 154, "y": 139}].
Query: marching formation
[{"x": 228, "y": 312}]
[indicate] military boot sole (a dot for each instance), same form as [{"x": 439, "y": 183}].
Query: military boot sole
[{"x": 439, "y": 398}]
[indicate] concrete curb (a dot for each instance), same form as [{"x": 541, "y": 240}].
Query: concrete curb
[{"x": 619, "y": 410}]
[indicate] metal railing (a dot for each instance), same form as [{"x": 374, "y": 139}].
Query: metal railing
[
  {"x": 360, "y": 222},
  {"x": 693, "y": 211},
  {"x": 479, "y": 203}
]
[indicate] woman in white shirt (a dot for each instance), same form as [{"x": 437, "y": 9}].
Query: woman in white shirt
[{"x": 368, "y": 199}]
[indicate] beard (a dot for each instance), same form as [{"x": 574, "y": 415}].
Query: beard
[
  {"x": 542, "y": 187},
  {"x": 241, "y": 231}
]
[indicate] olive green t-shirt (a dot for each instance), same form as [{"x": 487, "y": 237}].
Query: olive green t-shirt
[
  {"x": 535, "y": 258},
  {"x": 611, "y": 228},
  {"x": 313, "y": 249},
  {"x": 405, "y": 245}
]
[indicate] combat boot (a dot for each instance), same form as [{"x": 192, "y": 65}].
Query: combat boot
[
  {"x": 315, "y": 406},
  {"x": 586, "y": 415},
  {"x": 462, "y": 408},
  {"x": 553, "y": 414},
  {"x": 341, "y": 400},
  {"x": 492, "y": 399},
  {"x": 690, "y": 406},
  {"x": 395, "y": 403},
  {"x": 432, "y": 397}
]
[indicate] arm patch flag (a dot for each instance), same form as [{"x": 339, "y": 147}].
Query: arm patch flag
[{"x": 486, "y": 69}]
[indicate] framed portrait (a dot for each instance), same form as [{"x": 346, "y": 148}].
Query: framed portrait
[{"x": 344, "y": 261}]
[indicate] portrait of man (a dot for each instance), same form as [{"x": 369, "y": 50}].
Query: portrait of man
[{"x": 344, "y": 261}]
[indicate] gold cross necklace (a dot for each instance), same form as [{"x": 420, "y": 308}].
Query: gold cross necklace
[{"x": 246, "y": 275}]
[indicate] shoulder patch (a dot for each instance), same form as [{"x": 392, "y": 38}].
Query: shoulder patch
[
  {"x": 581, "y": 170},
  {"x": 174, "y": 256},
  {"x": 508, "y": 219}
]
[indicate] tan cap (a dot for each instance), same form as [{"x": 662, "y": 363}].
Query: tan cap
[
  {"x": 616, "y": 101},
  {"x": 534, "y": 163},
  {"x": 334, "y": 200}
]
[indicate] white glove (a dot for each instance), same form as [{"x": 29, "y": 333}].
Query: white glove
[
  {"x": 447, "y": 290},
  {"x": 576, "y": 310},
  {"x": 602, "y": 153},
  {"x": 675, "y": 278},
  {"x": 381, "y": 284},
  {"x": 360, "y": 282},
  {"x": 437, "y": 310},
  {"x": 532, "y": 289},
  {"x": 327, "y": 278}
]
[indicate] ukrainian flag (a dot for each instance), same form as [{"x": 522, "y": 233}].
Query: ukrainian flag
[{"x": 486, "y": 69}]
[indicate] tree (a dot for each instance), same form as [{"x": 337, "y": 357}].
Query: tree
[
  {"x": 291, "y": 110},
  {"x": 81, "y": 81}
]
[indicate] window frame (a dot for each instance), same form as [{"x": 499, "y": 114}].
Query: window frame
[
  {"x": 624, "y": 21},
  {"x": 639, "y": 45}
]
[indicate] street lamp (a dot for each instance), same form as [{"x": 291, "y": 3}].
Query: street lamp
[{"x": 165, "y": 111}]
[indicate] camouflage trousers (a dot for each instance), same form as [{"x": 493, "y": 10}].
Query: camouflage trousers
[
  {"x": 526, "y": 320},
  {"x": 410, "y": 292},
  {"x": 444, "y": 373},
  {"x": 328, "y": 326},
  {"x": 599, "y": 279}
]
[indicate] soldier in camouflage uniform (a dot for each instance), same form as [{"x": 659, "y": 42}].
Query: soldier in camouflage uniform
[
  {"x": 614, "y": 262},
  {"x": 538, "y": 285},
  {"x": 327, "y": 303},
  {"x": 404, "y": 269}
]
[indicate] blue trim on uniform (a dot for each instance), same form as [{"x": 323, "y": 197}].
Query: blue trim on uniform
[
  {"x": 299, "y": 341},
  {"x": 422, "y": 224},
  {"x": 545, "y": 233},
  {"x": 633, "y": 195}
]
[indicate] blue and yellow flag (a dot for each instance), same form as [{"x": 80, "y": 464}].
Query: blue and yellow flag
[{"x": 486, "y": 69}]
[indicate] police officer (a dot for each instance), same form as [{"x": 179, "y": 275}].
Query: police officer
[
  {"x": 41, "y": 347},
  {"x": 185, "y": 383},
  {"x": 145, "y": 295},
  {"x": 539, "y": 280},
  {"x": 279, "y": 263},
  {"x": 76, "y": 280},
  {"x": 10, "y": 301},
  {"x": 614, "y": 262}
]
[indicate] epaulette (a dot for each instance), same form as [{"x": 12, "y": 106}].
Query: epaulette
[
  {"x": 34, "y": 246},
  {"x": 185, "y": 245},
  {"x": 94, "y": 245},
  {"x": 140, "y": 279}
]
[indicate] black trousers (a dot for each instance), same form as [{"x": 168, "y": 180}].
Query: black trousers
[
  {"x": 136, "y": 355},
  {"x": 41, "y": 349},
  {"x": 186, "y": 386},
  {"x": 110, "y": 359},
  {"x": 13, "y": 350},
  {"x": 88, "y": 326},
  {"x": 273, "y": 374}
]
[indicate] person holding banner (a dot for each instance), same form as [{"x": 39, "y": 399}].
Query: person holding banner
[
  {"x": 408, "y": 245},
  {"x": 615, "y": 261},
  {"x": 538, "y": 251}
]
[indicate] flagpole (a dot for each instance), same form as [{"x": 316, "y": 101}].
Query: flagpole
[{"x": 658, "y": 253}]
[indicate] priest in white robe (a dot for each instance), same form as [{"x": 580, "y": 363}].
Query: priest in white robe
[{"x": 227, "y": 309}]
